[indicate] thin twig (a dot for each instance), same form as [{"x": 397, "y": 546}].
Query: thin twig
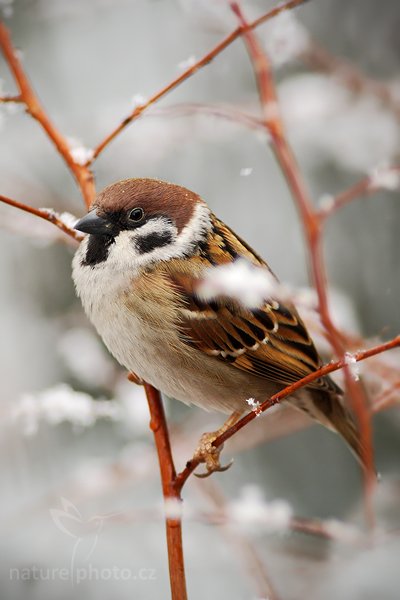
[
  {"x": 202, "y": 62},
  {"x": 82, "y": 174},
  {"x": 10, "y": 98},
  {"x": 228, "y": 113},
  {"x": 363, "y": 187},
  {"x": 349, "y": 75},
  {"x": 46, "y": 214},
  {"x": 276, "y": 399},
  {"x": 312, "y": 229}
]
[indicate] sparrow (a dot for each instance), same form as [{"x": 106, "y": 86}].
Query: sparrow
[{"x": 148, "y": 246}]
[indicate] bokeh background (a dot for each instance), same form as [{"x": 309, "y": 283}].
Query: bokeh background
[{"x": 80, "y": 487}]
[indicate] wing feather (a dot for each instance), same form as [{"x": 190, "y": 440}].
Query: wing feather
[{"x": 270, "y": 342}]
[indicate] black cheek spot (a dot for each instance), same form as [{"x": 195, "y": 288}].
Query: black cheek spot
[
  {"x": 153, "y": 240},
  {"x": 97, "y": 250}
]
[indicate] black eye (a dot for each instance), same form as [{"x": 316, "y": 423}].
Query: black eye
[{"x": 136, "y": 215}]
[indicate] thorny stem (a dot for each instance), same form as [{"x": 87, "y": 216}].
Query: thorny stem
[
  {"x": 312, "y": 229},
  {"x": 82, "y": 174},
  {"x": 202, "y": 62}
]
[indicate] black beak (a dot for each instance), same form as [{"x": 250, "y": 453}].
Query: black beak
[{"x": 92, "y": 223}]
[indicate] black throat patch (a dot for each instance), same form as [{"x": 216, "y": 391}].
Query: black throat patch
[{"x": 97, "y": 250}]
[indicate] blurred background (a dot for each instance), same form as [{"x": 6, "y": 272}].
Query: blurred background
[{"x": 80, "y": 483}]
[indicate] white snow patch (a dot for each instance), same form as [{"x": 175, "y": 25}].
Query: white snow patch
[
  {"x": 242, "y": 281},
  {"x": 173, "y": 508},
  {"x": 326, "y": 202},
  {"x": 384, "y": 177},
  {"x": 254, "y": 405},
  {"x": 328, "y": 122},
  {"x": 61, "y": 404},
  {"x": 138, "y": 100},
  {"x": 79, "y": 153},
  {"x": 251, "y": 509},
  {"x": 187, "y": 63},
  {"x": 246, "y": 171},
  {"x": 68, "y": 219},
  {"x": 285, "y": 38},
  {"x": 351, "y": 361}
]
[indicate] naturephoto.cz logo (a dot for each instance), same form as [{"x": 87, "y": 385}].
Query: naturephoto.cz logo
[{"x": 84, "y": 533}]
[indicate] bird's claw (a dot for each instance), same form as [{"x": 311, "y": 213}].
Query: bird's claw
[{"x": 210, "y": 455}]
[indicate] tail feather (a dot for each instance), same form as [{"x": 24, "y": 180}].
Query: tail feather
[
  {"x": 327, "y": 408},
  {"x": 340, "y": 420}
]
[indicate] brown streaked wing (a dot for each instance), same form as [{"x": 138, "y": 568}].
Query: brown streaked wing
[{"x": 270, "y": 342}]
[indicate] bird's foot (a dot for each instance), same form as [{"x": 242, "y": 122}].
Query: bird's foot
[
  {"x": 135, "y": 378},
  {"x": 209, "y": 454}
]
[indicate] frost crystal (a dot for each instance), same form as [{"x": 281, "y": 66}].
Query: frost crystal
[
  {"x": 252, "y": 510},
  {"x": 352, "y": 363},
  {"x": 242, "y": 281},
  {"x": 61, "y": 403},
  {"x": 384, "y": 177},
  {"x": 286, "y": 38},
  {"x": 187, "y": 63},
  {"x": 80, "y": 155},
  {"x": 246, "y": 171}
]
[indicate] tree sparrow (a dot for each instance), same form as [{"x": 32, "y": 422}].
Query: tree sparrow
[{"x": 149, "y": 244}]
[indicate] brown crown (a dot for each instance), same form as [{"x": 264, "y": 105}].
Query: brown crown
[{"x": 154, "y": 196}]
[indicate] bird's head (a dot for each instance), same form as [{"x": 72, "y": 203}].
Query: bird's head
[{"x": 137, "y": 222}]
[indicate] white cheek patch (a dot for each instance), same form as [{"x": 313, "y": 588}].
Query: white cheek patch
[{"x": 156, "y": 240}]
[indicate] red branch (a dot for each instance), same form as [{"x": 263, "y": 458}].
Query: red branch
[
  {"x": 81, "y": 173},
  {"x": 277, "y": 398},
  {"x": 10, "y": 99},
  {"x": 202, "y": 62},
  {"x": 364, "y": 187},
  {"x": 312, "y": 229},
  {"x": 47, "y": 215},
  {"x": 158, "y": 425}
]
